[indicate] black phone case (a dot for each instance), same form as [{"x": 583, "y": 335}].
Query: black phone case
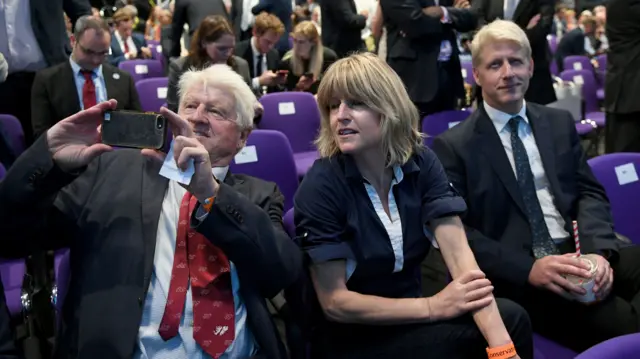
[{"x": 134, "y": 129}]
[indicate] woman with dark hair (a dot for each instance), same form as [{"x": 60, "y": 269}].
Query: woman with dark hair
[{"x": 212, "y": 43}]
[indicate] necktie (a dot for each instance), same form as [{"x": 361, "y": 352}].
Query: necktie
[
  {"x": 88, "y": 90},
  {"x": 543, "y": 245},
  {"x": 207, "y": 268},
  {"x": 126, "y": 46},
  {"x": 259, "y": 65}
]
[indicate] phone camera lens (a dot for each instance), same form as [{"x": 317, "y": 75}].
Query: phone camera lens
[{"x": 159, "y": 124}]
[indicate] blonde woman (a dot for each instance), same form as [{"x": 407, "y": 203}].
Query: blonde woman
[
  {"x": 366, "y": 215},
  {"x": 308, "y": 59}
]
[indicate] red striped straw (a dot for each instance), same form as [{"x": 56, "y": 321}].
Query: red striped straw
[{"x": 576, "y": 237}]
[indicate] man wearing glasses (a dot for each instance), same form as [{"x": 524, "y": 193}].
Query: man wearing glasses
[{"x": 83, "y": 81}]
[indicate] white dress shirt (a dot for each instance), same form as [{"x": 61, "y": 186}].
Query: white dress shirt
[
  {"x": 248, "y": 18},
  {"x": 98, "y": 82},
  {"x": 150, "y": 345},
  {"x": 255, "y": 82},
  {"x": 133, "y": 50},
  {"x": 18, "y": 43},
  {"x": 553, "y": 219}
]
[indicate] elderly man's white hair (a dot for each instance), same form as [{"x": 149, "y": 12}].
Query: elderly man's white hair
[{"x": 223, "y": 77}]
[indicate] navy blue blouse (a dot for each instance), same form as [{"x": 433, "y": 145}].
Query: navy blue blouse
[{"x": 335, "y": 219}]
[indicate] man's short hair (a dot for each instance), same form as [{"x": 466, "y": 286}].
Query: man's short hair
[
  {"x": 123, "y": 14},
  {"x": 499, "y": 30},
  {"x": 265, "y": 22},
  {"x": 87, "y": 22}
]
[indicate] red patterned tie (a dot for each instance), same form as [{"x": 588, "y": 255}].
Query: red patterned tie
[
  {"x": 88, "y": 90},
  {"x": 198, "y": 260},
  {"x": 126, "y": 46}
]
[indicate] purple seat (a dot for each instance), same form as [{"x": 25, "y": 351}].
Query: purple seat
[
  {"x": 467, "y": 72},
  {"x": 152, "y": 43},
  {"x": 587, "y": 79},
  {"x": 584, "y": 128},
  {"x": 304, "y": 161},
  {"x": 62, "y": 272},
  {"x": 602, "y": 62},
  {"x": 153, "y": 93},
  {"x": 297, "y": 116},
  {"x": 12, "y": 274},
  {"x": 577, "y": 63},
  {"x": 553, "y": 43},
  {"x": 547, "y": 349},
  {"x": 435, "y": 124},
  {"x": 3, "y": 171},
  {"x": 289, "y": 225},
  {"x": 11, "y": 129},
  {"x": 553, "y": 67},
  {"x": 623, "y": 347},
  {"x": 268, "y": 156},
  {"x": 142, "y": 69},
  {"x": 600, "y": 94},
  {"x": 613, "y": 171}
]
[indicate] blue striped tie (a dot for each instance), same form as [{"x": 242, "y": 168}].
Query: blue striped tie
[{"x": 543, "y": 245}]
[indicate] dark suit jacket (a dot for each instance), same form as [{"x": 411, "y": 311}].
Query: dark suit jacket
[
  {"x": 413, "y": 44},
  {"x": 282, "y": 9},
  {"x": 571, "y": 44},
  {"x": 541, "y": 85},
  {"x": 108, "y": 215},
  {"x": 623, "y": 58},
  {"x": 117, "y": 52},
  {"x": 48, "y": 26},
  {"x": 329, "y": 57},
  {"x": 497, "y": 227},
  {"x": 342, "y": 26},
  {"x": 243, "y": 50},
  {"x": 237, "y": 9},
  {"x": 181, "y": 65},
  {"x": 54, "y": 94},
  {"x": 192, "y": 12},
  {"x": 7, "y": 345}
]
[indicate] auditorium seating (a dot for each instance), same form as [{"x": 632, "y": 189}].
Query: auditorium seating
[
  {"x": 142, "y": 69},
  {"x": 435, "y": 124},
  {"x": 152, "y": 93},
  {"x": 587, "y": 80},
  {"x": 623, "y": 347}
]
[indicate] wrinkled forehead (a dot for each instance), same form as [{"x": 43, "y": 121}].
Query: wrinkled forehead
[{"x": 209, "y": 95}]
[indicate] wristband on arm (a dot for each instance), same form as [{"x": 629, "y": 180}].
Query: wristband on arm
[{"x": 502, "y": 352}]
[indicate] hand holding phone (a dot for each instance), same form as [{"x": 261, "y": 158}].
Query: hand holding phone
[{"x": 134, "y": 129}]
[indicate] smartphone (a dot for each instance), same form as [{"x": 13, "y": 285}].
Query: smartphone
[
  {"x": 134, "y": 129},
  {"x": 282, "y": 72},
  {"x": 308, "y": 75}
]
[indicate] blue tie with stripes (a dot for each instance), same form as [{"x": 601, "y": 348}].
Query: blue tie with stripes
[{"x": 543, "y": 245}]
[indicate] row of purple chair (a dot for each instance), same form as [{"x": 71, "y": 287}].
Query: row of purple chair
[{"x": 141, "y": 69}]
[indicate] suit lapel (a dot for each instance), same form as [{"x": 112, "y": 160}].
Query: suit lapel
[
  {"x": 111, "y": 84},
  {"x": 488, "y": 141},
  {"x": 522, "y": 4},
  {"x": 542, "y": 134},
  {"x": 153, "y": 191},
  {"x": 68, "y": 82},
  {"x": 248, "y": 55},
  {"x": 497, "y": 8}
]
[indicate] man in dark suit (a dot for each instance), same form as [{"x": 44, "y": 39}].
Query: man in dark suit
[
  {"x": 41, "y": 45},
  {"x": 523, "y": 174},
  {"x": 242, "y": 18},
  {"x": 282, "y": 9},
  {"x": 192, "y": 12},
  {"x": 159, "y": 268},
  {"x": 342, "y": 26},
  {"x": 622, "y": 82},
  {"x": 535, "y": 17},
  {"x": 260, "y": 54},
  {"x": 577, "y": 42},
  {"x": 126, "y": 44},
  {"x": 81, "y": 81},
  {"x": 421, "y": 48},
  {"x": 7, "y": 344}
]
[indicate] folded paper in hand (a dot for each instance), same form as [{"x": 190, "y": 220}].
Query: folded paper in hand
[{"x": 171, "y": 171}]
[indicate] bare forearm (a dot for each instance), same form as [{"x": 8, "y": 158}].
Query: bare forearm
[
  {"x": 459, "y": 259},
  {"x": 352, "y": 307}
]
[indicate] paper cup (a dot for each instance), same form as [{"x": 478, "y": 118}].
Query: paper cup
[{"x": 586, "y": 283}]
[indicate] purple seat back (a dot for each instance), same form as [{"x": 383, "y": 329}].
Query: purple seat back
[
  {"x": 289, "y": 225},
  {"x": 589, "y": 87},
  {"x": 435, "y": 124},
  {"x": 142, "y": 69},
  {"x": 62, "y": 271},
  {"x": 153, "y": 43},
  {"x": 577, "y": 63},
  {"x": 295, "y": 114},
  {"x": 548, "y": 349},
  {"x": 3, "y": 171},
  {"x": 553, "y": 43},
  {"x": 12, "y": 275},
  {"x": 612, "y": 170},
  {"x": 11, "y": 129},
  {"x": 268, "y": 156},
  {"x": 602, "y": 62},
  {"x": 153, "y": 93},
  {"x": 553, "y": 67},
  {"x": 467, "y": 72},
  {"x": 623, "y": 347}
]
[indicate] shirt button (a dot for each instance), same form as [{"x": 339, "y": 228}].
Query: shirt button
[{"x": 191, "y": 323}]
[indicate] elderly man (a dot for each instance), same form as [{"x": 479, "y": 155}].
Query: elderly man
[{"x": 159, "y": 269}]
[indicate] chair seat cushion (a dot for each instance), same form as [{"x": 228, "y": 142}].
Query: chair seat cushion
[
  {"x": 546, "y": 348},
  {"x": 597, "y": 117},
  {"x": 304, "y": 160},
  {"x": 600, "y": 94},
  {"x": 584, "y": 128}
]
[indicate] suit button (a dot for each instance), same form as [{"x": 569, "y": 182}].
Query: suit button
[
  {"x": 230, "y": 210},
  {"x": 140, "y": 301},
  {"x": 239, "y": 218}
]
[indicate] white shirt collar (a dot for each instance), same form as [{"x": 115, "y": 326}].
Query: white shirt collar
[
  {"x": 254, "y": 49},
  {"x": 220, "y": 172},
  {"x": 501, "y": 119}
]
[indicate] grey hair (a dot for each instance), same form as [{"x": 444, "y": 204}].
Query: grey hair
[
  {"x": 87, "y": 22},
  {"x": 223, "y": 76}
]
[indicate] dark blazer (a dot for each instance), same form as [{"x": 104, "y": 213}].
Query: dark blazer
[
  {"x": 571, "y": 44},
  {"x": 7, "y": 344},
  {"x": 541, "y": 85},
  {"x": 243, "y": 50},
  {"x": 237, "y": 10},
  {"x": 117, "y": 52},
  {"x": 413, "y": 44},
  {"x": 48, "y": 26},
  {"x": 282, "y": 9},
  {"x": 623, "y": 57},
  {"x": 110, "y": 225},
  {"x": 192, "y": 12},
  {"x": 53, "y": 94},
  {"x": 179, "y": 66},
  {"x": 342, "y": 26},
  {"x": 497, "y": 227}
]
